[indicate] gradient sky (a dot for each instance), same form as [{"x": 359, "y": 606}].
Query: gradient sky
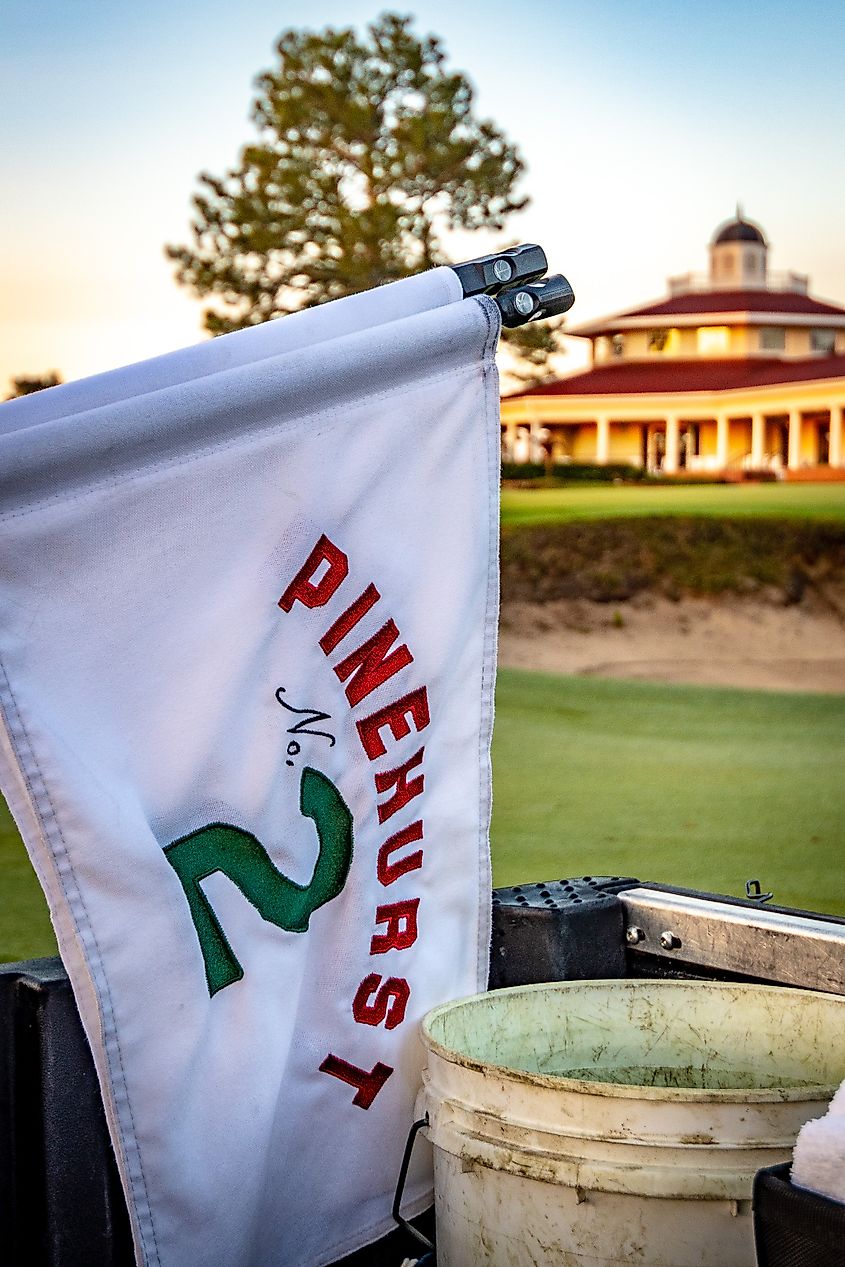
[{"x": 642, "y": 126}]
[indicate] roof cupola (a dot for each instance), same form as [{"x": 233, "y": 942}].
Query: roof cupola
[{"x": 738, "y": 255}]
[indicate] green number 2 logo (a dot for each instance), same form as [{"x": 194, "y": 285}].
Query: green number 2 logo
[{"x": 241, "y": 857}]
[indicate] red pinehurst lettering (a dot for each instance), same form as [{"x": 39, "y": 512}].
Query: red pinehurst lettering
[
  {"x": 406, "y": 789},
  {"x": 390, "y": 869},
  {"x": 304, "y": 589},
  {"x": 370, "y": 664},
  {"x": 395, "y": 717},
  {"x": 367, "y": 1082},
  {"x": 401, "y": 921},
  {"x": 389, "y": 1004},
  {"x": 346, "y": 622}
]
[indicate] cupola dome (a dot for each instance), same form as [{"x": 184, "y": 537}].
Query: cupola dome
[
  {"x": 738, "y": 230},
  {"x": 738, "y": 255}
]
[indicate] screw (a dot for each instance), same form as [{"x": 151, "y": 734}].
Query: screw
[
  {"x": 669, "y": 941},
  {"x": 524, "y": 303},
  {"x": 503, "y": 270},
  {"x": 634, "y": 935}
]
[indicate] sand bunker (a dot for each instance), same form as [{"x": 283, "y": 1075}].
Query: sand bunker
[{"x": 710, "y": 642}]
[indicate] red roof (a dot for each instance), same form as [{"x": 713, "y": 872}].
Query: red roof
[
  {"x": 709, "y": 301},
  {"x": 738, "y": 301},
  {"x": 657, "y": 377}
]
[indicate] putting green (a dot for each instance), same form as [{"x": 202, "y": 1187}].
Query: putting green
[
  {"x": 694, "y": 786},
  {"x": 604, "y": 501}
]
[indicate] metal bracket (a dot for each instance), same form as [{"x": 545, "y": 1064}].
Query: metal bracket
[
  {"x": 745, "y": 938},
  {"x": 400, "y": 1185}
]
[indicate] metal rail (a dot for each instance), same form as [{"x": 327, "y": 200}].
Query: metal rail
[{"x": 750, "y": 940}]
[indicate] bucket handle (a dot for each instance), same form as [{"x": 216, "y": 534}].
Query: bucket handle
[{"x": 400, "y": 1184}]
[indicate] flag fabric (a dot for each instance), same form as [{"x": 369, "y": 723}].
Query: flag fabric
[{"x": 248, "y": 601}]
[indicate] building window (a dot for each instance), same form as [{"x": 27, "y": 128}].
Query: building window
[
  {"x": 772, "y": 339},
  {"x": 657, "y": 340},
  {"x": 822, "y": 340},
  {"x": 617, "y": 345},
  {"x": 713, "y": 340}
]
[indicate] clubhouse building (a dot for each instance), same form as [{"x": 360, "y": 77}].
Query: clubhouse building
[{"x": 735, "y": 372}]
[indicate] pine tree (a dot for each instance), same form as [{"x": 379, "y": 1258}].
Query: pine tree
[
  {"x": 368, "y": 149},
  {"x": 26, "y": 385}
]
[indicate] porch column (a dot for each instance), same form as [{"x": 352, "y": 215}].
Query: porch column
[
  {"x": 509, "y": 441},
  {"x": 722, "y": 433},
  {"x": 758, "y": 441},
  {"x": 671, "y": 458},
  {"x": 602, "y": 439},
  {"x": 835, "y": 454},
  {"x": 794, "y": 457}
]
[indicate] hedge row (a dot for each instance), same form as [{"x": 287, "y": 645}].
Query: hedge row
[{"x": 567, "y": 472}]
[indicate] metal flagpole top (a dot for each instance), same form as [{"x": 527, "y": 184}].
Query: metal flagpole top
[{"x": 514, "y": 278}]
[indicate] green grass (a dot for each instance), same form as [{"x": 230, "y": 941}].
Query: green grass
[
  {"x": 25, "y": 929},
  {"x": 685, "y": 785},
  {"x": 602, "y": 501},
  {"x": 693, "y": 786}
]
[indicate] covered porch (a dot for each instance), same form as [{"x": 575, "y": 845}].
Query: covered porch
[{"x": 699, "y": 441}]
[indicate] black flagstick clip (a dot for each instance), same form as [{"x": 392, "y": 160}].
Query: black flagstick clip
[
  {"x": 548, "y": 298},
  {"x": 490, "y": 273},
  {"x": 515, "y": 280}
]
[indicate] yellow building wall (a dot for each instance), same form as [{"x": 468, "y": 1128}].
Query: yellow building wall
[
  {"x": 771, "y": 439},
  {"x": 707, "y": 439},
  {"x": 625, "y": 444},
  {"x": 744, "y": 341},
  {"x": 562, "y": 441},
  {"x": 687, "y": 342},
  {"x": 739, "y": 440},
  {"x": 584, "y": 443},
  {"x": 713, "y": 342},
  {"x": 797, "y": 343},
  {"x": 809, "y": 442},
  {"x": 636, "y": 345}
]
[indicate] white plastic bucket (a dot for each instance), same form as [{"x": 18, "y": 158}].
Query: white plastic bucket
[{"x": 611, "y": 1122}]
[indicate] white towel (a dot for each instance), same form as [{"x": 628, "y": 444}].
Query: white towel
[
  {"x": 248, "y": 609},
  {"x": 818, "y": 1161},
  {"x": 837, "y": 1104}
]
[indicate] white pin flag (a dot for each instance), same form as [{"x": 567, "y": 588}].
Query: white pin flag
[{"x": 248, "y": 597}]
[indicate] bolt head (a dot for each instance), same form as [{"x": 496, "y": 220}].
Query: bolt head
[
  {"x": 634, "y": 935},
  {"x": 524, "y": 303},
  {"x": 503, "y": 270},
  {"x": 669, "y": 941}
]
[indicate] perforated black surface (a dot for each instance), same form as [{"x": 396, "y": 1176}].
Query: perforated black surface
[
  {"x": 794, "y": 1228},
  {"x": 560, "y": 930},
  {"x": 559, "y": 894}
]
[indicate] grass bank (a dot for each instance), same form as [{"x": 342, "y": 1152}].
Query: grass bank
[
  {"x": 613, "y": 559},
  {"x": 566, "y": 505},
  {"x": 683, "y": 785}
]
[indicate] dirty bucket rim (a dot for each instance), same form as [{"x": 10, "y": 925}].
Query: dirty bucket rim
[{"x": 627, "y": 1091}]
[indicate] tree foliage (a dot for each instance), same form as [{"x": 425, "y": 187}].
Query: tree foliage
[
  {"x": 368, "y": 149},
  {"x": 26, "y": 385},
  {"x": 533, "y": 346}
]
